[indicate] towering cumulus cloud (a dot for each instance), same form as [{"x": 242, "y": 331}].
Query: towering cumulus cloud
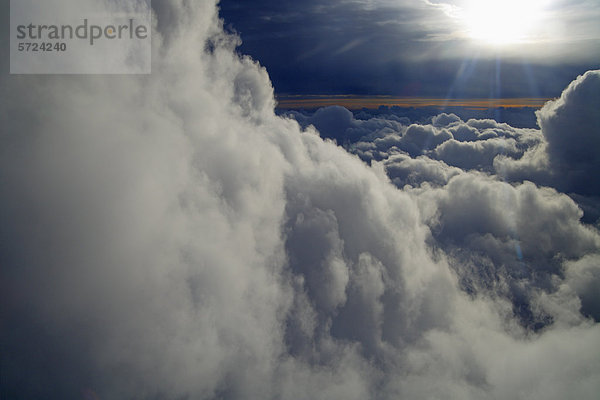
[
  {"x": 571, "y": 128},
  {"x": 170, "y": 237}
]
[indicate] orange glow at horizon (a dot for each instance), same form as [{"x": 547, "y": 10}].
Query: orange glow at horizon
[{"x": 374, "y": 102}]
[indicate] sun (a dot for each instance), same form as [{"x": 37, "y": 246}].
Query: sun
[{"x": 502, "y": 21}]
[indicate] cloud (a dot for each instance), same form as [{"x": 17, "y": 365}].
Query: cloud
[
  {"x": 505, "y": 238},
  {"x": 566, "y": 159},
  {"x": 571, "y": 127},
  {"x": 417, "y": 139},
  {"x": 170, "y": 237},
  {"x": 404, "y": 170},
  {"x": 475, "y": 155},
  {"x": 583, "y": 276}
]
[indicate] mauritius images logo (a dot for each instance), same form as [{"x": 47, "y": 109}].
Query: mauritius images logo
[{"x": 80, "y": 37}]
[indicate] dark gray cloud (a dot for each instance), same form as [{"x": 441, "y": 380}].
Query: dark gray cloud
[{"x": 169, "y": 237}]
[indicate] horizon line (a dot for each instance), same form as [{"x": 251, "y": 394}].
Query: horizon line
[{"x": 355, "y": 102}]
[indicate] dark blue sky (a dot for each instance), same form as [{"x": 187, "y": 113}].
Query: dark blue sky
[{"x": 408, "y": 48}]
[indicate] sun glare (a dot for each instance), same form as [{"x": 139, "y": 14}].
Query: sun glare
[{"x": 503, "y": 21}]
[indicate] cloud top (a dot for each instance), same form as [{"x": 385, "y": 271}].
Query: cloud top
[{"x": 171, "y": 237}]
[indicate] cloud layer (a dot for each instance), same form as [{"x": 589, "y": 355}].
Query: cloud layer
[{"x": 170, "y": 237}]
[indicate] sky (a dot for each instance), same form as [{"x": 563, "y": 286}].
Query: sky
[
  {"x": 172, "y": 236},
  {"x": 419, "y": 48}
]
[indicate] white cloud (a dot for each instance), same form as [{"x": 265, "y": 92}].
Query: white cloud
[
  {"x": 567, "y": 158},
  {"x": 571, "y": 126},
  {"x": 476, "y": 155},
  {"x": 402, "y": 170},
  {"x": 170, "y": 237}
]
